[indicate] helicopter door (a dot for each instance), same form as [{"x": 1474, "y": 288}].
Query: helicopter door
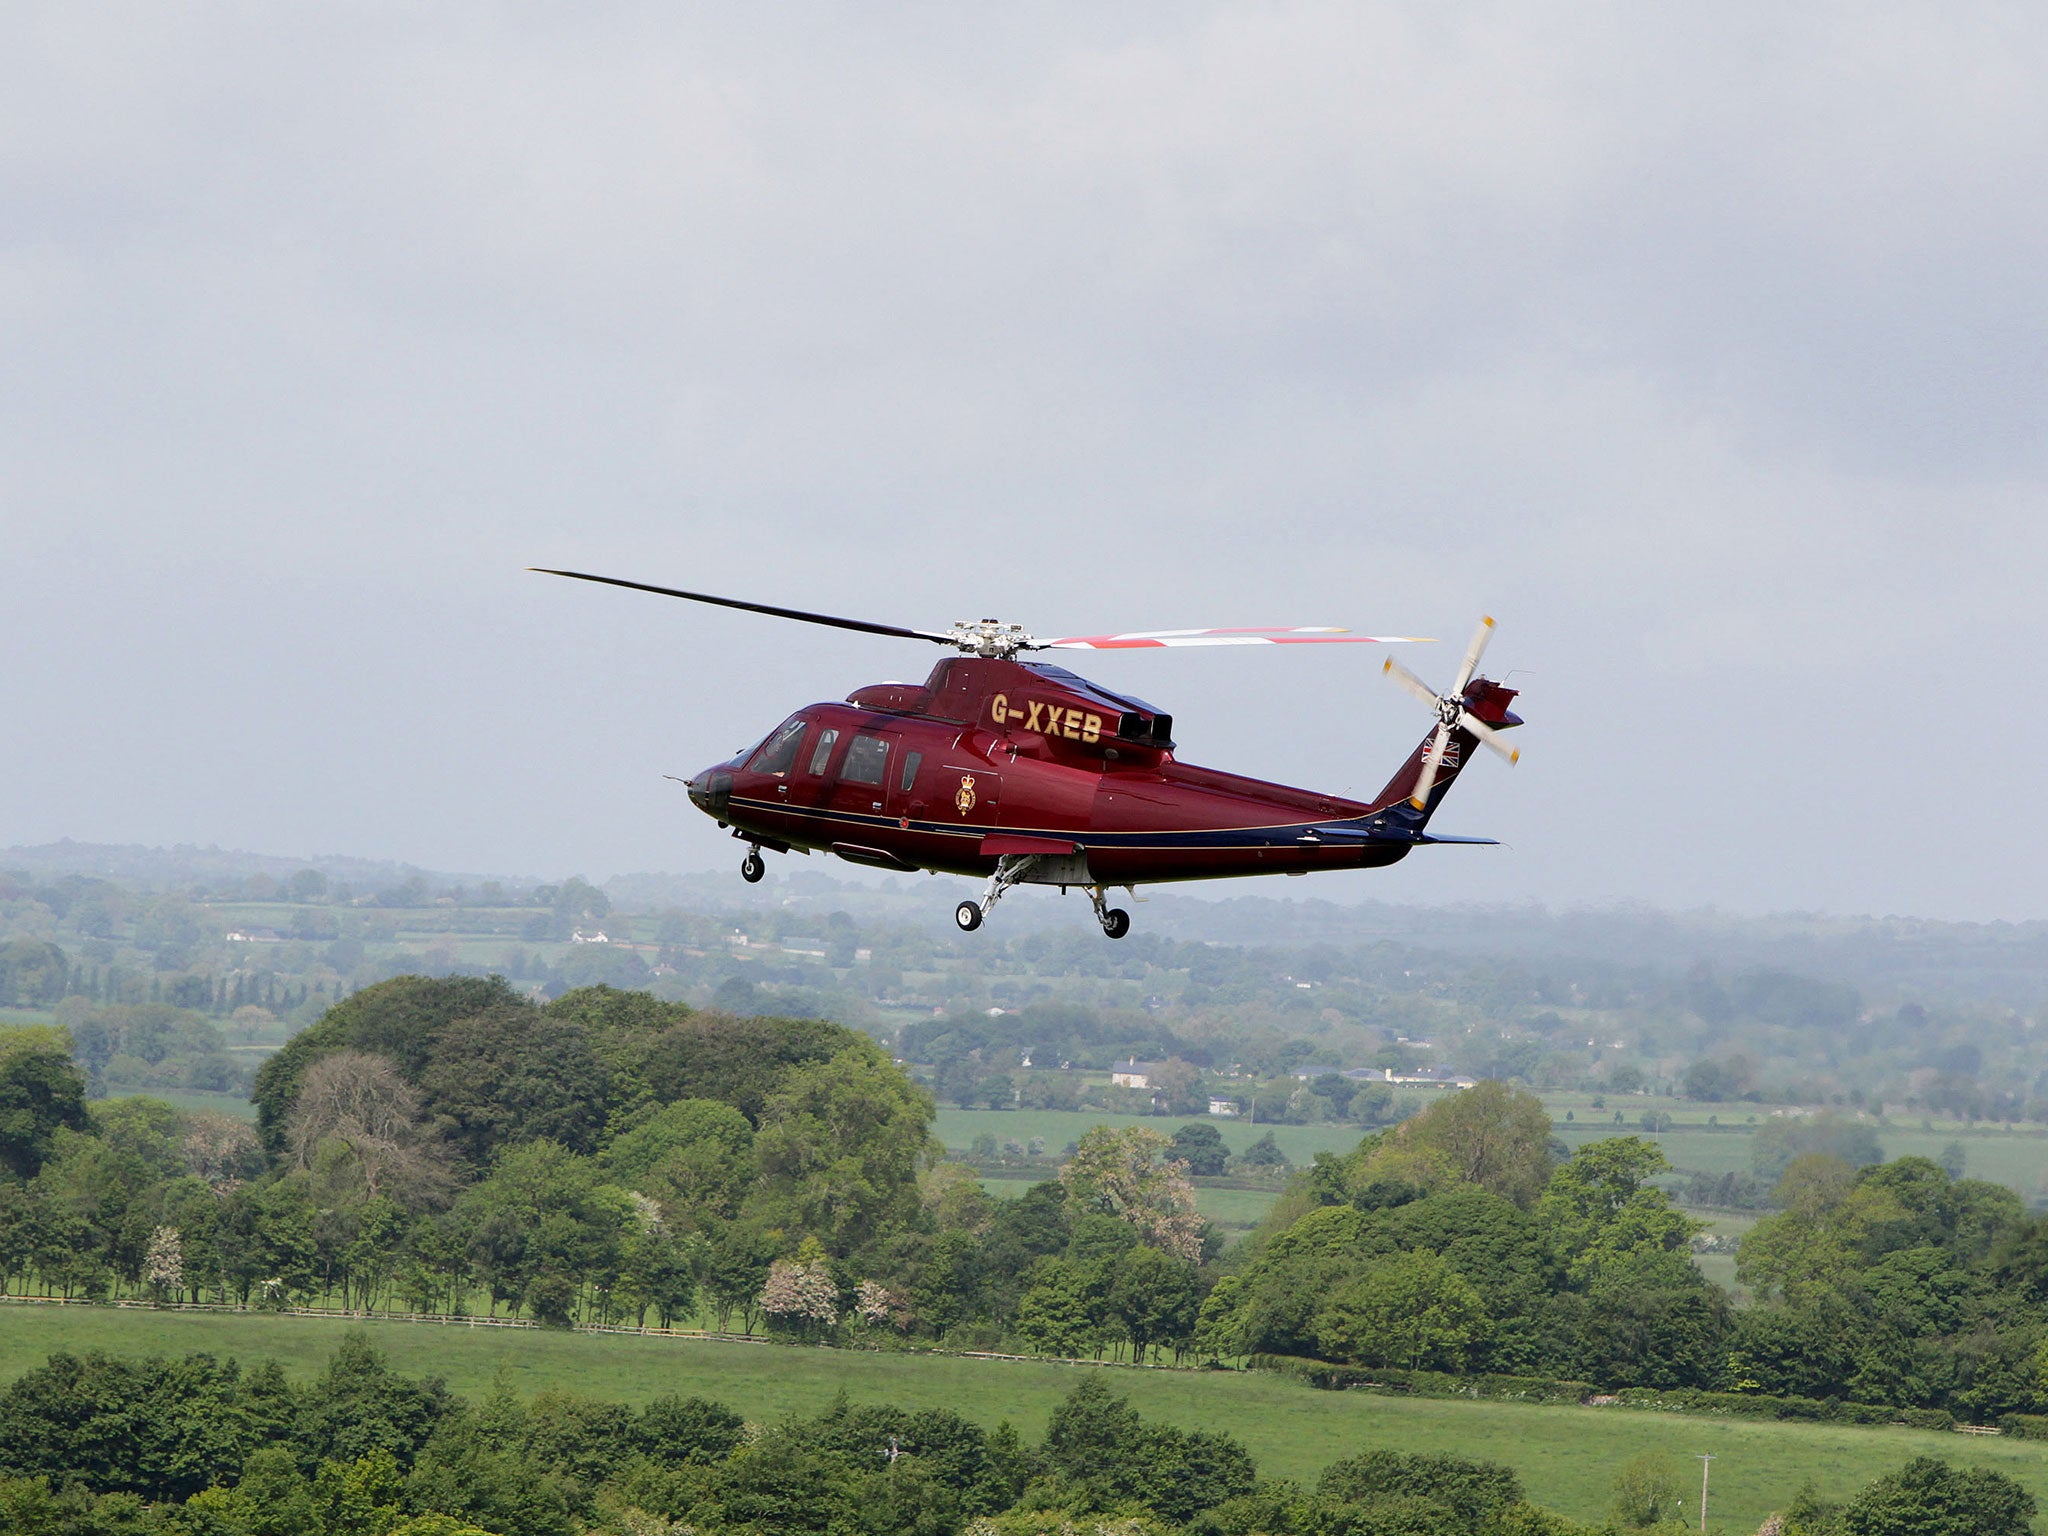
[
  {"x": 863, "y": 786},
  {"x": 808, "y": 787},
  {"x": 910, "y": 785}
]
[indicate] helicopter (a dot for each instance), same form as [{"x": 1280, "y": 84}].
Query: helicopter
[{"x": 1024, "y": 773}]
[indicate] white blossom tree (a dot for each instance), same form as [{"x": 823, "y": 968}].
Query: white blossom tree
[
  {"x": 801, "y": 1292},
  {"x": 163, "y": 1263}
]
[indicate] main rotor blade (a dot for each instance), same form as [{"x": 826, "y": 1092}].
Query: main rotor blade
[
  {"x": 1472, "y": 654},
  {"x": 1467, "y": 721},
  {"x": 1410, "y": 681},
  {"x": 1155, "y": 639},
  {"x": 780, "y": 613},
  {"x": 1419, "y": 796}
]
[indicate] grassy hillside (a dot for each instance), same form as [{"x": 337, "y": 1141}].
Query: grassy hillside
[{"x": 1566, "y": 1457}]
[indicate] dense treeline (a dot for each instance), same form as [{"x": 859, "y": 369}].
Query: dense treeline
[
  {"x": 1459, "y": 1242},
  {"x": 448, "y": 1145},
  {"x": 98, "y": 1445},
  {"x": 199, "y": 1445}
]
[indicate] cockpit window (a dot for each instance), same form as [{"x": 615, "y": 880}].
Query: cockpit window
[
  {"x": 821, "y": 754},
  {"x": 867, "y": 761},
  {"x": 778, "y": 753},
  {"x": 910, "y": 762}
]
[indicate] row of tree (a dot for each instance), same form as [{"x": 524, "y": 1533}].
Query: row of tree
[{"x": 101, "y": 1445}]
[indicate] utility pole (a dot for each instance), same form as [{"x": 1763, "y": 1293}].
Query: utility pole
[{"x": 1706, "y": 1465}]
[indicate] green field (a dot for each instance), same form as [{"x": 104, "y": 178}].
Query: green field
[
  {"x": 957, "y": 1128},
  {"x": 1566, "y": 1457},
  {"x": 1237, "y": 1211}
]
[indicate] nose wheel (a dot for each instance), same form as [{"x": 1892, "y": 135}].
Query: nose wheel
[
  {"x": 968, "y": 916},
  {"x": 751, "y": 867}
]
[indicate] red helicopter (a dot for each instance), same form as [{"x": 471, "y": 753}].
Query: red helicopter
[{"x": 1027, "y": 774}]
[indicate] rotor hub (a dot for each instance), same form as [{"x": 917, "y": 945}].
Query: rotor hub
[{"x": 990, "y": 638}]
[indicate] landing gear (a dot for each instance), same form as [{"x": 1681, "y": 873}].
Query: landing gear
[
  {"x": 751, "y": 867},
  {"x": 1116, "y": 922},
  {"x": 1010, "y": 868}
]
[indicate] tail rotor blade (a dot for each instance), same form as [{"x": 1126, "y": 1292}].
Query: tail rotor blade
[
  {"x": 1467, "y": 721},
  {"x": 1410, "y": 681},
  {"x": 1419, "y": 798},
  {"x": 1473, "y": 652}
]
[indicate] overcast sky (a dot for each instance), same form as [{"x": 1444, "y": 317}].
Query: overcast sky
[{"x": 1704, "y": 346}]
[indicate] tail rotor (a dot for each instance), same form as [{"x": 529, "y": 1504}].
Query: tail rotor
[{"x": 1451, "y": 713}]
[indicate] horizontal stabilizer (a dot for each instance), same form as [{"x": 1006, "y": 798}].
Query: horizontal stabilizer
[{"x": 1351, "y": 833}]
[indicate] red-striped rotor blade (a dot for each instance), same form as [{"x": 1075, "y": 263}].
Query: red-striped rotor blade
[{"x": 1272, "y": 634}]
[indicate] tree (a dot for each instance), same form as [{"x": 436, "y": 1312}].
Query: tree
[
  {"x": 1124, "y": 1173},
  {"x": 1264, "y": 1156},
  {"x": 800, "y": 1293},
  {"x": 736, "y": 1270},
  {"x": 401, "y": 1020},
  {"x": 1472, "y": 1491},
  {"x": 1645, "y": 1492},
  {"x": 41, "y": 1093},
  {"x": 1928, "y": 1497},
  {"x": 33, "y": 973},
  {"x": 1202, "y": 1148},
  {"x": 738, "y": 1061},
  {"x": 695, "y": 1156},
  {"x": 839, "y": 1147},
  {"x": 1154, "y": 1297},
  {"x": 1600, "y": 1205},
  {"x": 1711, "y": 1082},
  {"x": 163, "y": 1266},
  {"x": 1057, "y": 1313},
  {"x": 1491, "y": 1135},
  {"x": 358, "y": 1100},
  {"x": 1414, "y": 1310},
  {"x": 360, "y": 1406},
  {"x": 509, "y": 1075}
]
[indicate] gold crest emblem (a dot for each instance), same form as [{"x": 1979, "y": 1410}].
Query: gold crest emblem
[{"x": 965, "y": 798}]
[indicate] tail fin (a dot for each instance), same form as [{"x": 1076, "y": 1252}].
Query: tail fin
[{"x": 1487, "y": 700}]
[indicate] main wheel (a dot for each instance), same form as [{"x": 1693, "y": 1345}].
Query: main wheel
[
  {"x": 968, "y": 916},
  {"x": 751, "y": 867},
  {"x": 1116, "y": 922}
]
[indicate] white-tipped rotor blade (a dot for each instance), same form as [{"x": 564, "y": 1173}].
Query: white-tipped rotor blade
[
  {"x": 1419, "y": 797},
  {"x": 1488, "y": 735},
  {"x": 1410, "y": 681},
  {"x": 1473, "y": 652}
]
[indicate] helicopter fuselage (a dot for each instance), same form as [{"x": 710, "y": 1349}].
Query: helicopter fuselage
[{"x": 993, "y": 762}]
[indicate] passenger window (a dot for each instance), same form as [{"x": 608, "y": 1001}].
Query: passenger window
[
  {"x": 821, "y": 754},
  {"x": 867, "y": 761},
  {"x": 778, "y": 753},
  {"x": 910, "y": 762}
]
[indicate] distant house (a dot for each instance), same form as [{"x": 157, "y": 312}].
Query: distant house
[
  {"x": 1421, "y": 1077},
  {"x": 1134, "y": 1074},
  {"x": 254, "y": 936},
  {"x": 580, "y": 937},
  {"x": 1223, "y": 1107}
]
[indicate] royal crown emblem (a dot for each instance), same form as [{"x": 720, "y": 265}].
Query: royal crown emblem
[{"x": 965, "y": 798}]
